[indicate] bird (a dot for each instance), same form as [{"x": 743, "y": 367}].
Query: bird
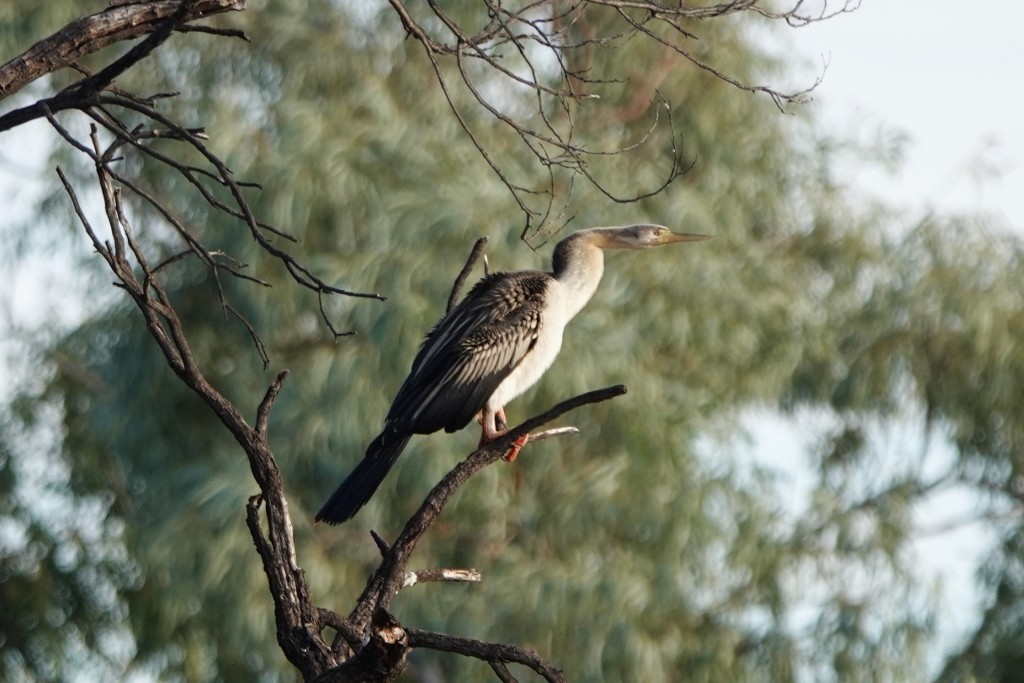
[{"x": 487, "y": 350}]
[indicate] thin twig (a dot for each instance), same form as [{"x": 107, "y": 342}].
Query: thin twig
[
  {"x": 551, "y": 433},
  {"x": 263, "y": 412},
  {"x": 414, "y": 577},
  {"x": 474, "y": 256}
]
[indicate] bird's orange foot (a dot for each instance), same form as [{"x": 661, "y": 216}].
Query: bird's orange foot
[
  {"x": 499, "y": 428},
  {"x": 516, "y": 447}
]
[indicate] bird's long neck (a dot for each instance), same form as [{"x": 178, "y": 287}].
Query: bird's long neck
[{"x": 578, "y": 264}]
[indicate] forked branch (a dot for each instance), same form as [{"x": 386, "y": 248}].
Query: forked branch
[
  {"x": 370, "y": 644},
  {"x": 387, "y": 580},
  {"x": 96, "y": 96},
  {"x": 299, "y": 622}
]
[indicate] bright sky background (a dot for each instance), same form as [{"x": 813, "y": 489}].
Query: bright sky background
[
  {"x": 945, "y": 73},
  {"x": 949, "y": 75}
]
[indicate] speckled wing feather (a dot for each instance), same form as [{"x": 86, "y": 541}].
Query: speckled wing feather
[{"x": 469, "y": 352}]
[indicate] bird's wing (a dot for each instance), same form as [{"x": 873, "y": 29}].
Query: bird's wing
[{"x": 469, "y": 352}]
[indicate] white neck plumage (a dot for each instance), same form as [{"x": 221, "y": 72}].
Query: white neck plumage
[{"x": 578, "y": 263}]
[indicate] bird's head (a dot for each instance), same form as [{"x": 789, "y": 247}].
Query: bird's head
[{"x": 642, "y": 236}]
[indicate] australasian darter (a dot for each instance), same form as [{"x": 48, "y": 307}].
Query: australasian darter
[{"x": 490, "y": 348}]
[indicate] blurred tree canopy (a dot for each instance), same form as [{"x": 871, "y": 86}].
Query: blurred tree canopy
[{"x": 648, "y": 548}]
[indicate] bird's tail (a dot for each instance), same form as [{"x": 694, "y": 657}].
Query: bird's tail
[{"x": 360, "y": 485}]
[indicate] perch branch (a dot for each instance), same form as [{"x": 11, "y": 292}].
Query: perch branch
[{"x": 387, "y": 579}]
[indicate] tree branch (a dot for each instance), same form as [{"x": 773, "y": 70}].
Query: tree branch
[
  {"x": 515, "y": 45},
  {"x": 89, "y": 34},
  {"x": 370, "y": 644},
  {"x": 387, "y": 580},
  {"x": 474, "y": 256},
  {"x": 299, "y": 621},
  {"x": 488, "y": 652},
  {"x": 380, "y": 653}
]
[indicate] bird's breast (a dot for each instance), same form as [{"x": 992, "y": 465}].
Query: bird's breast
[{"x": 554, "y": 318}]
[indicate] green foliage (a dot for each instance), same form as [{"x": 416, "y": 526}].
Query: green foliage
[
  {"x": 645, "y": 549},
  {"x": 61, "y": 566}
]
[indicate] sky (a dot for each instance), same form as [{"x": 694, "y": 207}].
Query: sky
[
  {"x": 945, "y": 74},
  {"x": 948, "y": 75}
]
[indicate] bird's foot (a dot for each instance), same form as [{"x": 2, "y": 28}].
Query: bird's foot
[
  {"x": 499, "y": 429},
  {"x": 517, "y": 446}
]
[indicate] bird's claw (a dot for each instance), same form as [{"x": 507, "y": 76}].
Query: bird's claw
[{"x": 517, "y": 446}]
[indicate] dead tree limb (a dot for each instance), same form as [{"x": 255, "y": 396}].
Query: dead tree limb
[
  {"x": 387, "y": 580},
  {"x": 116, "y": 23},
  {"x": 299, "y": 622},
  {"x": 370, "y": 645},
  {"x": 96, "y": 96},
  {"x": 474, "y": 256},
  {"x": 496, "y": 654}
]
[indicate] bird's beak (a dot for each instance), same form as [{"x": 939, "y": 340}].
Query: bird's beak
[{"x": 671, "y": 237}]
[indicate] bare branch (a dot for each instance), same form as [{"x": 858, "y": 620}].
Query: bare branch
[
  {"x": 114, "y": 24},
  {"x": 87, "y": 95},
  {"x": 488, "y": 652},
  {"x": 539, "y": 31},
  {"x": 299, "y": 621},
  {"x": 263, "y": 413},
  {"x": 386, "y": 581},
  {"x": 551, "y": 433},
  {"x": 137, "y": 53},
  {"x": 427, "y": 575},
  {"x": 474, "y": 256},
  {"x": 502, "y": 672},
  {"x": 411, "y": 578},
  {"x": 214, "y": 31}
]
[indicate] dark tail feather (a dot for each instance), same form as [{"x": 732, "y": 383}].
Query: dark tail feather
[{"x": 360, "y": 485}]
